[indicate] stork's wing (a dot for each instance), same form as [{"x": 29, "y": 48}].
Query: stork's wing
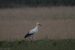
[
  {"x": 28, "y": 35},
  {"x": 34, "y": 30}
]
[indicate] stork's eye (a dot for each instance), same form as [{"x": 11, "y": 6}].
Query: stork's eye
[{"x": 40, "y": 24}]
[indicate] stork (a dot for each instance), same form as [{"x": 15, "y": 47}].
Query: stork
[{"x": 33, "y": 31}]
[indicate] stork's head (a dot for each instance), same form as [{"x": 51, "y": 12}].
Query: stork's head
[{"x": 38, "y": 24}]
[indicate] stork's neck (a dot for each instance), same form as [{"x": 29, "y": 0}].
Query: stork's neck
[{"x": 36, "y": 26}]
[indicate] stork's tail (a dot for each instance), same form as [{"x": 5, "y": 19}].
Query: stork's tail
[{"x": 26, "y": 35}]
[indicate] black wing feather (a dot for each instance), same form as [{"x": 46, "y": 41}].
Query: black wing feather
[{"x": 28, "y": 35}]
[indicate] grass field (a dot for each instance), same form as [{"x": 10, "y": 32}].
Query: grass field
[
  {"x": 68, "y": 44},
  {"x": 58, "y": 23}
]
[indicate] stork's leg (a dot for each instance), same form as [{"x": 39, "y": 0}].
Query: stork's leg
[{"x": 32, "y": 38}]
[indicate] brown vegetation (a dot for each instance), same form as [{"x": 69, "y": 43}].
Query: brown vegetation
[{"x": 58, "y": 22}]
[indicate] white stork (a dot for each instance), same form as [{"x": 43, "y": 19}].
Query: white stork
[{"x": 33, "y": 31}]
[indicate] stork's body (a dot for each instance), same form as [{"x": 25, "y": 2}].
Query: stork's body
[{"x": 33, "y": 31}]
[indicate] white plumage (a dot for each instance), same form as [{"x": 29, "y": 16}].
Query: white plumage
[{"x": 33, "y": 31}]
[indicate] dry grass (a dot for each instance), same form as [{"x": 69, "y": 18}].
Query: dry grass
[{"x": 58, "y": 22}]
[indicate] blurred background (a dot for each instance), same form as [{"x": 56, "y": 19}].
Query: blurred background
[
  {"x": 57, "y": 17},
  {"x": 35, "y": 3}
]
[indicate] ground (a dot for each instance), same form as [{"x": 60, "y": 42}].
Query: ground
[
  {"x": 66, "y": 44},
  {"x": 57, "y": 22},
  {"x": 56, "y": 33}
]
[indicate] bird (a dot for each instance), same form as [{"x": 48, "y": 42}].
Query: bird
[{"x": 33, "y": 31}]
